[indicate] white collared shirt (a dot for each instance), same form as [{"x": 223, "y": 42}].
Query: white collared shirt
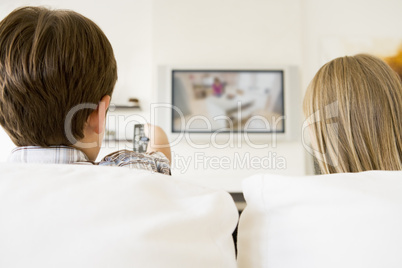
[
  {"x": 48, "y": 155},
  {"x": 151, "y": 161}
]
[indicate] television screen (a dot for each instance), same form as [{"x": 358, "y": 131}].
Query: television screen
[{"x": 228, "y": 100}]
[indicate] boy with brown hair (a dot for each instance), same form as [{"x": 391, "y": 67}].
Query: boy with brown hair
[{"x": 53, "y": 62}]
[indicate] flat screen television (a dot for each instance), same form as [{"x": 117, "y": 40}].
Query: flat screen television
[
  {"x": 201, "y": 103},
  {"x": 207, "y": 101}
]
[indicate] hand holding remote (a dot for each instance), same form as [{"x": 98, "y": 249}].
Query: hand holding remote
[{"x": 158, "y": 140}]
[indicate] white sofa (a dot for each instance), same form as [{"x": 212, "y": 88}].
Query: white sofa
[
  {"x": 89, "y": 216},
  {"x": 339, "y": 220}
]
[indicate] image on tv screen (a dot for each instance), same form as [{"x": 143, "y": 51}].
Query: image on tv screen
[{"x": 238, "y": 101}]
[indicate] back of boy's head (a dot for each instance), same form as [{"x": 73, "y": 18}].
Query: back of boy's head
[{"x": 50, "y": 62}]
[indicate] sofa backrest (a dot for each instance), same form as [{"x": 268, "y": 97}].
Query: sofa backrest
[
  {"x": 339, "y": 220},
  {"x": 91, "y": 216}
]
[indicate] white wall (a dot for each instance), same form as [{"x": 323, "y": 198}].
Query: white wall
[
  {"x": 146, "y": 34},
  {"x": 346, "y": 19},
  {"x": 227, "y": 32}
]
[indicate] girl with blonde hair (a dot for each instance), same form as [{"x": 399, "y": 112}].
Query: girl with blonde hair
[{"x": 353, "y": 107}]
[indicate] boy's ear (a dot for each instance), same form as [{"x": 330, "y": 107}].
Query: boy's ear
[{"x": 96, "y": 120}]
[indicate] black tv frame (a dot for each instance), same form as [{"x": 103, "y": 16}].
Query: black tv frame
[{"x": 173, "y": 71}]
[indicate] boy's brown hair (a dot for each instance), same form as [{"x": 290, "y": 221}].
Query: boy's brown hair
[{"x": 50, "y": 62}]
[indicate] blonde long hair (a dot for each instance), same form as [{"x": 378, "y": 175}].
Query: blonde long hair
[{"x": 354, "y": 108}]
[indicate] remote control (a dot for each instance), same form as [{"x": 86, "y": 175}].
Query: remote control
[{"x": 140, "y": 142}]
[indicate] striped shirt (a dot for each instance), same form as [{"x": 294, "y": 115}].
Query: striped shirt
[{"x": 153, "y": 161}]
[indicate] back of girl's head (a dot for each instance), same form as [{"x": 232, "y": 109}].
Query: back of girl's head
[{"x": 354, "y": 107}]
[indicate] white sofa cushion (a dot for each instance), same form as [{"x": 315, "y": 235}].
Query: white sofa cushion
[
  {"x": 91, "y": 216},
  {"x": 339, "y": 220}
]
